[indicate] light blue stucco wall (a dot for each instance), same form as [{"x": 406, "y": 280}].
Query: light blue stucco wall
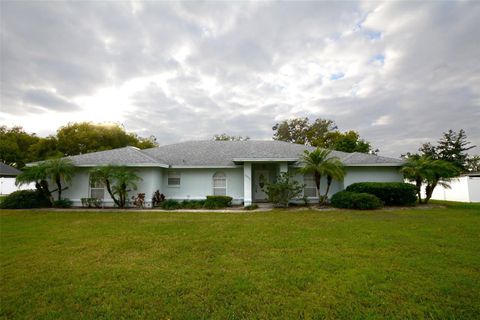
[
  {"x": 372, "y": 174},
  {"x": 198, "y": 183}
]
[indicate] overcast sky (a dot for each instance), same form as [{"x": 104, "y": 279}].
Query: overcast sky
[{"x": 399, "y": 73}]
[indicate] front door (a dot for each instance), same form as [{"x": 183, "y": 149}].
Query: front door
[{"x": 261, "y": 180}]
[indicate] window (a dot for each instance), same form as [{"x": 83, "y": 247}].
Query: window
[
  {"x": 97, "y": 190},
  {"x": 310, "y": 189},
  {"x": 173, "y": 179},
  {"x": 219, "y": 184}
]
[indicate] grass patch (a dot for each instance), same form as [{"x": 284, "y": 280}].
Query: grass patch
[
  {"x": 456, "y": 204},
  {"x": 396, "y": 264}
]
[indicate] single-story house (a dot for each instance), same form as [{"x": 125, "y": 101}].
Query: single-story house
[
  {"x": 239, "y": 169},
  {"x": 465, "y": 188},
  {"x": 7, "y": 180}
]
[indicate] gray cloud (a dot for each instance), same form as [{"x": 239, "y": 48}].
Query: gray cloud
[{"x": 189, "y": 70}]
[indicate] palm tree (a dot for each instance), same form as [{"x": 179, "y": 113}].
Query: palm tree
[
  {"x": 60, "y": 171},
  {"x": 118, "y": 180},
  {"x": 335, "y": 171},
  {"x": 38, "y": 175},
  {"x": 425, "y": 170},
  {"x": 415, "y": 169},
  {"x": 125, "y": 181},
  {"x": 320, "y": 164},
  {"x": 440, "y": 173}
]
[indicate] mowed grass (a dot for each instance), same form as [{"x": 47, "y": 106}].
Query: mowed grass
[{"x": 397, "y": 264}]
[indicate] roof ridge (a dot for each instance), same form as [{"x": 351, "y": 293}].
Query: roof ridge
[{"x": 147, "y": 156}]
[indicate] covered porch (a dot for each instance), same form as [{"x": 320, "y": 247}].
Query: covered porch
[{"x": 257, "y": 173}]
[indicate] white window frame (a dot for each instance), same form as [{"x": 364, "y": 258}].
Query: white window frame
[
  {"x": 307, "y": 177},
  {"x": 174, "y": 175},
  {"x": 96, "y": 186},
  {"x": 221, "y": 178}
]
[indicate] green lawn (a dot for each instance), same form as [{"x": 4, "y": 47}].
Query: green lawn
[{"x": 399, "y": 264}]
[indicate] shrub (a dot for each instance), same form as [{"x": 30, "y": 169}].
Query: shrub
[
  {"x": 391, "y": 193},
  {"x": 283, "y": 190},
  {"x": 63, "y": 203},
  {"x": 251, "y": 207},
  {"x": 193, "y": 204},
  {"x": 170, "y": 204},
  {"x": 25, "y": 199},
  {"x": 217, "y": 202},
  {"x": 354, "y": 200},
  {"x": 91, "y": 202}
]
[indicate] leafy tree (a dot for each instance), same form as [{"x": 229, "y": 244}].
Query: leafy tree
[
  {"x": 14, "y": 145},
  {"x": 226, "y": 137},
  {"x": 118, "y": 180},
  {"x": 301, "y": 131},
  {"x": 321, "y": 133},
  {"x": 60, "y": 171},
  {"x": 348, "y": 141},
  {"x": 85, "y": 137},
  {"x": 451, "y": 147},
  {"x": 321, "y": 164},
  {"x": 473, "y": 164},
  {"x": 283, "y": 190}
]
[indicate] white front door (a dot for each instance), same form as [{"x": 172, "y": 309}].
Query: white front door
[{"x": 261, "y": 180}]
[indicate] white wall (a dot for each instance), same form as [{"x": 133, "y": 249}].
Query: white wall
[
  {"x": 198, "y": 183},
  {"x": 7, "y": 185},
  {"x": 372, "y": 174},
  {"x": 463, "y": 189}
]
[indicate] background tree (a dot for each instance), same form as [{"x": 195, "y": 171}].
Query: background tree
[
  {"x": 118, "y": 180},
  {"x": 322, "y": 133},
  {"x": 226, "y": 137},
  {"x": 85, "y": 137},
  {"x": 14, "y": 146},
  {"x": 451, "y": 147},
  {"x": 18, "y": 147},
  {"x": 473, "y": 163},
  {"x": 319, "y": 163}
]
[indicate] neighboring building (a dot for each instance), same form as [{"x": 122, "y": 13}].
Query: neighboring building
[
  {"x": 7, "y": 179},
  {"x": 195, "y": 169},
  {"x": 465, "y": 188}
]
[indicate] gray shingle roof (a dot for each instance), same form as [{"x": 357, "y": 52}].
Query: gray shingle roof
[
  {"x": 217, "y": 153},
  {"x": 226, "y": 153},
  {"x": 8, "y": 171},
  {"x": 129, "y": 156}
]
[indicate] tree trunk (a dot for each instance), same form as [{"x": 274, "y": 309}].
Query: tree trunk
[
  {"x": 109, "y": 190},
  {"x": 59, "y": 187},
  {"x": 429, "y": 191},
  {"x": 318, "y": 178},
  {"x": 418, "y": 184},
  {"x": 329, "y": 182}
]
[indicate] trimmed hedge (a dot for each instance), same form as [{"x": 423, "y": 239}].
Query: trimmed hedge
[
  {"x": 64, "y": 203},
  {"x": 25, "y": 199},
  {"x": 217, "y": 202},
  {"x": 170, "y": 204},
  {"x": 354, "y": 200},
  {"x": 391, "y": 193}
]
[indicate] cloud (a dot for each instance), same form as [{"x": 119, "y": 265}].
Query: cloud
[{"x": 399, "y": 73}]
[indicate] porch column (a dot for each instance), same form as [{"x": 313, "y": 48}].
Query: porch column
[
  {"x": 247, "y": 183},
  {"x": 283, "y": 166}
]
